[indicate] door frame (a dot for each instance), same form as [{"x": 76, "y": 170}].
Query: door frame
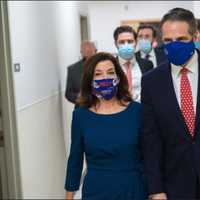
[
  {"x": 9, "y": 116},
  {"x": 85, "y": 17}
]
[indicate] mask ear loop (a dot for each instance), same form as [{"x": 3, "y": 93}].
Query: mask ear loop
[{"x": 117, "y": 80}]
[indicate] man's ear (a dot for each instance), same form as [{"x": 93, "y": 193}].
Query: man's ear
[
  {"x": 154, "y": 43},
  {"x": 118, "y": 79}
]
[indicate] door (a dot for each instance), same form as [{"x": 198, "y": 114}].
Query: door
[
  {"x": 84, "y": 28},
  {"x": 10, "y": 186}
]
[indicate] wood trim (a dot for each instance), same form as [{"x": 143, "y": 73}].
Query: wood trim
[
  {"x": 135, "y": 23},
  {"x": 124, "y": 22}
]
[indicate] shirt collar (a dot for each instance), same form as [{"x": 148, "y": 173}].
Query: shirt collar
[
  {"x": 123, "y": 61},
  {"x": 192, "y": 66},
  {"x": 151, "y": 53}
]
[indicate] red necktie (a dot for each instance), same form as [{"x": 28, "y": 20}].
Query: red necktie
[
  {"x": 187, "y": 107},
  {"x": 129, "y": 74}
]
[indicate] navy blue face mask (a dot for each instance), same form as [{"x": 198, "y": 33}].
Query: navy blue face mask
[{"x": 178, "y": 52}]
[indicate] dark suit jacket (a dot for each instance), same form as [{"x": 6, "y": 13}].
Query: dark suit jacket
[
  {"x": 159, "y": 53},
  {"x": 145, "y": 65},
  {"x": 74, "y": 77},
  {"x": 171, "y": 156}
]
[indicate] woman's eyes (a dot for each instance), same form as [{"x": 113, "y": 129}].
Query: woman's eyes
[
  {"x": 109, "y": 73},
  {"x": 97, "y": 74}
]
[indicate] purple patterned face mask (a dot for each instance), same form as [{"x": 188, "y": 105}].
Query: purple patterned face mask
[{"x": 105, "y": 88}]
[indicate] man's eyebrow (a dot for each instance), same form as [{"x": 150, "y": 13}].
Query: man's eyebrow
[{"x": 181, "y": 38}]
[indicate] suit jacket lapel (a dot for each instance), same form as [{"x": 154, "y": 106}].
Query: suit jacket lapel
[
  {"x": 170, "y": 97},
  {"x": 145, "y": 65},
  {"x": 160, "y": 56}
]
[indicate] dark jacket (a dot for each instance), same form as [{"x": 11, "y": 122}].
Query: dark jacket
[
  {"x": 171, "y": 156},
  {"x": 74, "y": 77},
  {"x": 160, "y": 56},
  {"x": 145, "y": 65}
]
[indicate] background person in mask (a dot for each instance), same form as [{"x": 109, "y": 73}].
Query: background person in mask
[
  {"x": 75, "y": 71},
  {"x": 146, "y": 36},
  {"x": 105, "y": 128},
  {"x": 170, "y": 129},
  {"x": 125, "y": 41},
  {"x": 197, "y": 38}
]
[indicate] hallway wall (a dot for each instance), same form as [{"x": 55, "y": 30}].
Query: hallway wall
[
  {"x": 68, "y": 42},
  {"x": 196, "y": 6},
  {"x": 45, "y": 39},
  {"x": 42, "y": 151}
]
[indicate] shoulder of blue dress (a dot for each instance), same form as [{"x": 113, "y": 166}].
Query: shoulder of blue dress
[
  {"x": 78, "y": 110},
  {"x": 136, "y": 105},
  {"x": 79, "y": 114}
]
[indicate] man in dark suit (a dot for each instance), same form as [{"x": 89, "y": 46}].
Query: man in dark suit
[
  {"x": 75, "y": 71},
  {"x": 170, "y": 129},
  {"x": 134, "y": 68},
  {"x": 146, "y": 36}
]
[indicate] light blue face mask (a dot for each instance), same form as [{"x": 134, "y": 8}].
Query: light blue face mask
[
  {"x": 126, "y": 51},
  {"x": 145, "y": 46},
  {"x": 197, "y": 45}
]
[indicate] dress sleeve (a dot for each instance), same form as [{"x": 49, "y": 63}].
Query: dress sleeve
[{"x": 75, "y": 160}]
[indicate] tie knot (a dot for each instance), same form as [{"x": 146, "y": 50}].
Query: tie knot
[
  {"x": 184, "y": 70},
  {"x": 147, "y": 56},
  {"x": 128, "y": 64}
]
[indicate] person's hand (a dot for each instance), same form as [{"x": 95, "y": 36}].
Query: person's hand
[
  {"x": 69, "y": 196},
  {"x": 159, "y": 196}
]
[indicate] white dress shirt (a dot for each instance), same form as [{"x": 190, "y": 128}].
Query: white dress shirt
[
  {"x": 136, "y": 77},
  {"x": 152, "y": 57},
  {"x": 192, "y": 74}
]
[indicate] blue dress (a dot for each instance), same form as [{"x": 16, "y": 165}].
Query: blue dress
[{"x": 110, "y": 143}]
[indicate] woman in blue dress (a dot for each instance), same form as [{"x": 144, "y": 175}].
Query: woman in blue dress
[{"x": 105, "y": 129}]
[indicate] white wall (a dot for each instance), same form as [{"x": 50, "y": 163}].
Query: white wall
[
  {"x": 68, "y": 36},
  {"x": 45, "y": 39},
  {"x": 42, "y": 150},
  {"x": 41, "y": 146},
  {"x": 33, "y": 40},
  {"x": 196, "y": 8},
  {"x": 105, "y": 16}
]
